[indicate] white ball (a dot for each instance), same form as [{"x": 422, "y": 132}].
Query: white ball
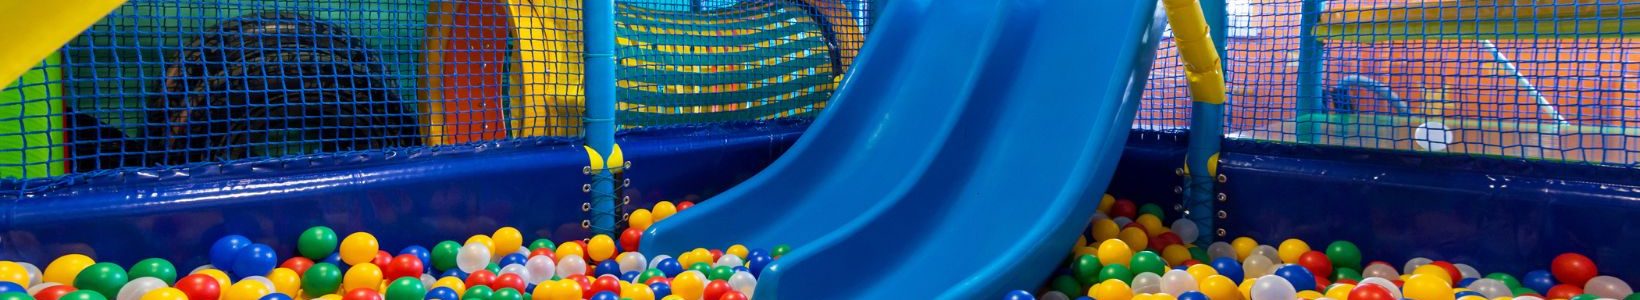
[
  {"x": 35, "y": 289},
  {"x": 541, "y": 268},
  {"x": 730, "y": 260},
  {"x": 1467, "y": 271},
  {"x": 656, "y": 261},
  {"x": 1381, "y": 271},
  {"x": 1186, "y": 229},
  {"x": 1176, "y": 282},
  {"x": 428, "y": 280},
  {"x": 1147, "y": 283},
  {"x": 137, "y": 287},
  {"x": 743, "y": 282},
  {"x": 571, "y": 265},
  {"x": 33, "y": 273},
  {"x": 1394, "y": 291},
  {"x": 516, "y": 269},
  {"x": 201, "y": 268},
  {"x": 1414, "y": 263},
  {"x": 1054, "y": 295},
  {"x": 634, "y": 262},
  {"x": 1271, "y": 287},
  {"x": 472, "y": 257}
]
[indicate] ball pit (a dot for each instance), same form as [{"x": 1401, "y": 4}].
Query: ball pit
[{"x": 1106, "y": 265}]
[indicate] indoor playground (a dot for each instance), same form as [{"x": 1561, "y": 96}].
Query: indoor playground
[{"x": 819, "y": 149}]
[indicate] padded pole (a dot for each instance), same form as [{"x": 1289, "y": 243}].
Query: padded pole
[
  {"x": 599, "y": 25},
  {"x": 1309, "y": 71},
  {"x": 1193, "y": 24}
]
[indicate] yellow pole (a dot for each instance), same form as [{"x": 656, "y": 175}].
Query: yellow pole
[
  {"x": 1201, "y": 58},
  {"x": 36, "y": 28}
]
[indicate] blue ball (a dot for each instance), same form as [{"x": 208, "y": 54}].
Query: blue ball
[
  {"x": 454, "y": 272},
  {"x": 629, "y": 276},
  {"x": 1300, "y": 277},
  {"x": 334, "y": 259},
  {"x": 742, "y": 269},
  {"x": 1019, "y": 295},
  {"x": 1465, "y": 282},
  {"x": 276, "y": 296},
  {"x": 608, "y": 267},
  {"x": 7, "y": 287},
  {"x": 226, "y": 249},
  {"x": 605, "y": 295},
  {"x": 1230, "y": 268},
  {"x": 661, "y": 289},
  {"x": 1467, "y": 293},
  {"x": 442, "y": 293},
  {"x": 516, "y": 259},
  {"x": 672, "y": 268},
  {"x": 422, "y": 253},
  {"x": 255, "y": 260},
  {"x": 1538, "y": 280},
  {"x": 1191, "y": 295},
  {"x": 757, "y": 263}
]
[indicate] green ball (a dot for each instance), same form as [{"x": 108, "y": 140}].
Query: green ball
[
  {"x": 1344, "y": 254},
  {"x": 156, "y": 268},
  {"x": 477, "y": 293},
  {"x": 1147, "y": 262},
  {"x": 24, "y": 296},
  {"x": 1342, "y": 273},
  {"x": 1522, "y": 291},
  {"x": 105, "y": 278},
  {"x": 1634, "y": 296},
  {"x": 316, "y": 242},
  {"x": 1116, "y": 271},
  {"x": 321, "y": 279},
  {"x": 84, "y": 295},
  {"x": 1086, "y": 269},
  {"x": 702, "y": 267},
  {"x": 505, "y": 294},
  {"x": 543, "y": 243},
  {"x": 1508, "y": 280},
  {"x": 1198, "y": 254},
  {"x": 406, "y": 288},
  {"x": 1069, "y": 286},
  {"x": 650, "y": 273},
  {"x": 444, "y": 254},
  {"x": 1152, "y": 209},
  {"x": 721, "y": 273},
  {"x": 1585, "y": 297},
  {"x": 781, "y": 249},
  {"x": 494, "y": 268}
]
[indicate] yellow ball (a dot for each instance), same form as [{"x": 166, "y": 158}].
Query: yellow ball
[
  {"x": 362, "y": 276},
  {"x": 1246, "y": 288},
  {"x": 738, "y": 250},
  {"x": 1310, "y": 295},
  {"x": 1426, "y": 287},
  {"x": 1434, "y": 271},
  {"x": 673, "y": 297},
  {"x": 461, "y": 287},
  {"x": 1175, "y": 254},
  {"x": 564, "y": 289},
  {"x": 485, "y": 240},
  {"x": 1135, "y": 238},
  {"x": 1340, "y": 291},
  {"x": 506, "y": 240},
  {"x": 689, "y": 285},
  {"x": 1291, "y": 249},
  {"x": 1105, "y": 229},
  {"x": 13, "y": 273},
  {"x": 1472, "y": 297},
  {"x": 1200, "y": 272},
  {"x": 285, "y": 281},
  {"x": 358, "y": 248},
  {"x": 1087, "y": 251},
  {"x": 330, "y": 297},
  {"x": 1081, "y": 241},
  {"x": 1218, "y": 287},
  {"x": 1105, "y": 203},
  {"x": 637, "y": 292},
  {"x": 601, "y": 247},
  {"x": 1244, "y": 246},
  {"x": 1153, "y": 225},
  {"x": 663, "y": 210},
  {"x": 641, "y": 219},
  {"x": 570, "y": 249},
  {"x": 63, "y": 270},
  {"x": 165, "y": 293},
  {"x": 1114, "y": 252},
  {"x": 1162, "y": 296},
  {"x": 221, "y": 277},
  {"x": 246, "y": 290},
  {"x": 1112, "y": 289}
]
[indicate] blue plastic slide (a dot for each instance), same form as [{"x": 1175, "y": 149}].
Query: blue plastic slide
[{"x": 960, "y": 160}]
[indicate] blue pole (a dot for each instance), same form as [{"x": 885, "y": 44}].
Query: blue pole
[
  {"x": 599, "y": 25},
  {"x": 1309, "y": 72},
  {"x": 1206, "y": 131}
]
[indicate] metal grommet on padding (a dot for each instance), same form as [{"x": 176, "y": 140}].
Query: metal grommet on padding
[
  {"x": 1223, "y": 215},
  {"x": 1223, "y": 179},
  {"x": 627, "y": 166},
  {"x": 1222, "y": 197},
  {"x": 626, "y": 200},
  {"x": 585, "y": 224},
  {"x": 626, "y": 182},
  {"x": 586, "y": 188},
  {"x": 1220, "y": 232},
  {"x": 586, "y": 170},
  {"x": 586, "y": 206},
  {"x": 1178, "y": 190}
]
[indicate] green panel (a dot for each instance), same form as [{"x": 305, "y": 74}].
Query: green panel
[{"x": 31, "y": 131}]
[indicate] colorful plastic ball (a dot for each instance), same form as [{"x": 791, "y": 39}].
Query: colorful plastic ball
[
  {"x": 640, "y": 219},
  {"x": 404, "y": 265},
  {"x": 321, "y": 279},
  {"x": 508, "y": 280},
  {"x": 663, "y": 210},
  {"x": 12, "y": 287},
  {"x": 506, "y": 240},
  {"x": 316, "y": 242},
  {"x": 720, "y": 273},
  {"x": 226, "y": 249},
  {"x": 478, "y": 293},
  {"x": 443, "y": 255},
  {"x": 1192, "y": 295},
  {"x": 1115, "y": 252},
  {"x": 334, "y": 259},
  {"x": 1291, "y": 249},
  {"x": 684, "y": 205},
  {"x": 199, "y": 287},
  {"x": 1229, "y": 268},
  {"x": 246, "y": 290},
  {"x": 382, "y": 258},
  {"x": 689, "y": 285},
  {"x": 661, "y": 289},
  {"x": 608, "y": 267},
  {"x": 1538, "y": 280},
  {"x": 1300, "y": 277},
  {"x": 154, "y": 267},
  {"x": 1123, "y": 208},
  {"x": 605, "y": 295},
  {"x": 276, "y": 296},
  {"x": 1066, "y": 284},
  {"x": 1243, "y": 247},
  {"x": 1344, "y": 254},
  {"x": 1508, "y": 280},
  {"x": 1427, "y": 287},
  {"x": 362, "y": 276},
  {"x": 254, "y": 260},
  {"x": 1111, "y": 290},
  {"x": 473, "y": 257},
  {"x": 1574, "y": 269},
  {"x": 1584, "y": 297},
  {"x": 1115, "y": 272},
  {"x": 54, "y": 292},
  {"x": 359, "y": 294},
  {"x": 701, "y": 267},
  {"x": 630, "y": 238},
  {"x": 359, "y": 248},
  {"x": 1104, "y": 229},
  {"x": 17, "y": 273},
  {"x": 1563, "y": 291},
  {"x": 780, "y": 250},
  {"x": 298, "y": 264},
  {"x": 1346, "y": 273},
  {"x": 102, "y": 278},
  {"x": 15, "y": 296},
  {"x": 1370, "y": 292},
  {"x": 480, "y": 278},
  {"x": 1147, "y": 262},
  {"x": 1086, "y": 269},
  {"x": 1316, "y": 262},
  {"x": 83, "y": 295}
]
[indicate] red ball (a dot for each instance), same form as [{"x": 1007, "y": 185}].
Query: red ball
[
  {"x": 54, "y": 292},
  {"x": 508, "y": 280},
  {"x": 1124, "y": 208},
  {"x": 716, "y": 254},
  {"x": 1347, "y": 281},
  {"x": 606, "y": 283},
  {"x": 733, "y": 295},
  {"x": 1564, "y": 291},
  {"x": 382, "y": 258},
  {"x": 1573, "y": 268},
  {"x": 1398, "y": 283},
  {"x": 1161, "y": 241},
  {"x": 1370, "y": 292},
  {"x": 362, "y": 294},
  {"x": 200, "y": 287},
  {"x": 716, "y": 289},
  {"x": 1322, "y": 282},
  {"x": 586, "y": 285},
  {"x": 685, "y": 205},
  {"x": 1451, "y": 270},
  {"x": 298, "y": 264},
  {"x": 405, "y": 265},
  {"x": 480, "y": 277},
  {"x": 630, "y": 238},
  {"x": 661, "y": 279},
  {"x": 1190, "y": 262},
  {"x": 1317, "y": 263},
  {"x": 544, "y": 252}
]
